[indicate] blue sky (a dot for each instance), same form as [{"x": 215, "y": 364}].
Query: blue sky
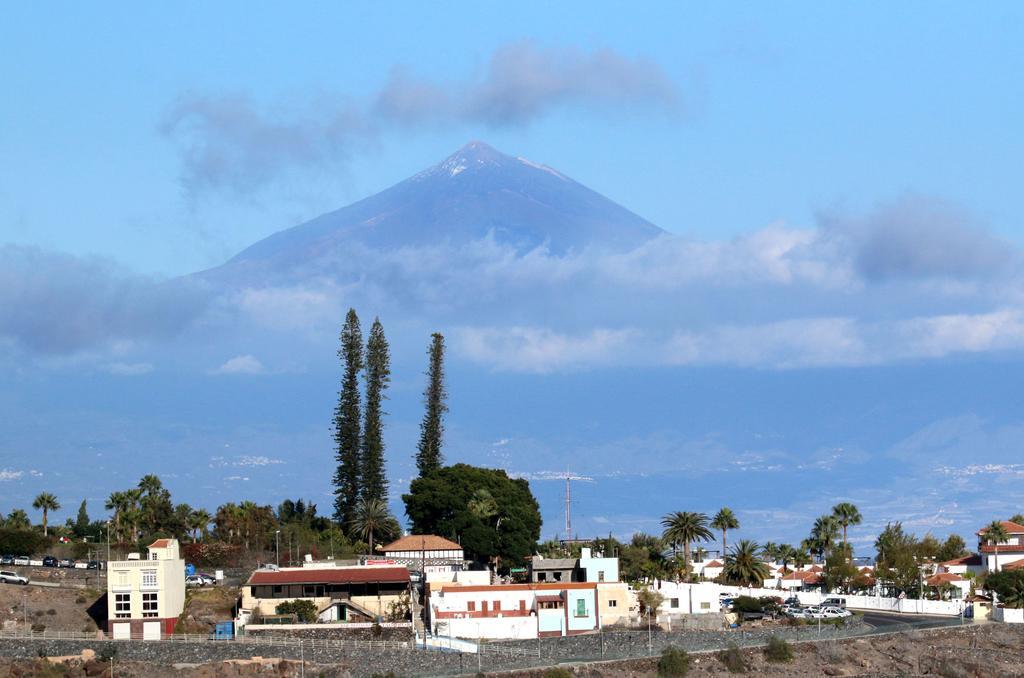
[
  {"x": 785, "y": 109},
  {"x": 841, "y": 305}
]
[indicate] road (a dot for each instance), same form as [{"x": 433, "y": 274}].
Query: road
[{"x": 893, "y": 621}]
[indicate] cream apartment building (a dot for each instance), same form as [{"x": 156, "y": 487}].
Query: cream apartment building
[{"x": 145, "y": 596}]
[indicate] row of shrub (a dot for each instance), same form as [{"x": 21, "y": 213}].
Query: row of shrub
[{"x": 676, "y": 662}]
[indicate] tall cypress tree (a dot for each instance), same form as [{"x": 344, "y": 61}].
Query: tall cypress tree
[
  {"x": 347, "y": 421},
  {"x": 428, "y": 455},
  {"x": 373, "y": 481}
]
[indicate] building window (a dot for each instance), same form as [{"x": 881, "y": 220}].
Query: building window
[
  {"x": 152, "y": 555},
  {"x": 122, "y": 605},
  {"x": 558, "y": 576},
  {"x": 675, "y": 602},
  {"x": 705, "y": 606},
  {"x": 149, "y": 579},
  {"x": 581, "y": 607},
  {"x": 600, "y": 575},
  {"x": 121, "y": 578},
  {"x": 471, "y": 606},
  {"x": 522, "y": 606},
  {"x": 149, "y": 605},
  {"x": 613, "y": 603},
  {"x": 497, "y": 606},
  {"x": 542, "y": 576}
]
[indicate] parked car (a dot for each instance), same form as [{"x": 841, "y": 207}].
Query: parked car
[
  {"x": 208, "y": 579},
  {"x": 7, "y": 560},
  {"x": 49, "y": 561},
  {"x": 832, "y": 612},
  {"x": 194, "y": 580},
  {"x": 814, "y": 612},
  {"x": 792, "y": 601},
  {"x": 12, "y": 578},
  {"x": 21, "y": 560},
  {"x": 726, "y": 603},
  {"x": 66, "y": 562},
  {"x": 834, "y": 602},
  {"x": 93, "y": 565},
  {"x": 793, "y": 611}
]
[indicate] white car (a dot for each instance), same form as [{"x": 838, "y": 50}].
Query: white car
[
  {"x": 835, "y": 613},
  {"x": 814, "y": 613},
  {"x": 12, "y": 578},
  {"x": 195, "y": 580},
  {"x": 21, "y": 560}
]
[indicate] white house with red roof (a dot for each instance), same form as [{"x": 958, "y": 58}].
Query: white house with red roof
[
  {"x": 339, "y": 593},
  {"x": 996, "y": 556},
  {"x": 951, "y": 586},
  {"x": 425, "y": 553},
  {"x": 712, "y": 569},
  {"x": 973, "y": 563},
  {"x": 516, "y": 611}
]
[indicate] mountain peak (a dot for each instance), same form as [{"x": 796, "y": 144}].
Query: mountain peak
[
  {"x": 472, "y": 156},
  {"x": 475, "y": 193}
]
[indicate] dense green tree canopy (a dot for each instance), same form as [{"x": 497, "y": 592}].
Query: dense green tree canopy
[{"x": 439, "y": 503}]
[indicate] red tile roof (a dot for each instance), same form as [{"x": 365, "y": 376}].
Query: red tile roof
[
  {"x": 1003, "y": 548},
  {"x": 1011, "y": 527},
  {"x": 160, "y": 544},
  {"x": 1015, "y": 565},
  {"x": 331, "y": 575},
  {"x": 943, "y": 578},
  {"x": 805, "y": 577},
  {"x": 973, "y": 559},
  {"x": 422, "y": 542},
  {"x": 714, "y": 563},
  {"x": 815, "y": 568},
  {"x": 549, "y": 599}
]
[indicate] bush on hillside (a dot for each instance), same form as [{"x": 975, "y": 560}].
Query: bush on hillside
[
  {"x": 778, "y": 650},
  {"x": 733, "y": 659},
  {"x": 673, "y": 662}
]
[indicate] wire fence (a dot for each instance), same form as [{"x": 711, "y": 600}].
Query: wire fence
[{"x": 183, "y": 638}]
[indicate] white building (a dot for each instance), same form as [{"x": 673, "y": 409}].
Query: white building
[
  {"x": 681, "y": 598},
  {"x": 426, "y": 553},
  {"x": 515, "y": 611},
  {"x": 1009, "y": 551},
  {"x": 146, "y": 597}
]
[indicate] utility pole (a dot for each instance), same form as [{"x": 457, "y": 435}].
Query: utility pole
[
  {"x": 568, "y": 501},
  {"x": 277, "y": 547}
]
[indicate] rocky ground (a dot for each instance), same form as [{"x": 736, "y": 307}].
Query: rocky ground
[
  {"x": 49, "y": 609},
  {"x": 984, "y": 650}
]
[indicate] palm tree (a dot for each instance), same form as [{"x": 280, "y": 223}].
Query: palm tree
[
  {"x": 823, "y": 534},
  {"x": 846, "y": 514},
  {"x": 785, "y": 553},
  {"x": 801, "y": 557},
  {"x": 371, "y": 517},
  {"x": 46, "y": 502},
  {"x": 725, "y": 520},
  {"x": 17, "y": 520},
  {"x": 994, "y": 533},
  {"x": 685, "y": 527},
  {"x": 743, "y": 566},
  {"x": 199, "y": 523},
  {"x": 770, "y": 551}
]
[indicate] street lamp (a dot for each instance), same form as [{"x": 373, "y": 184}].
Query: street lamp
[
  {"x": 108, "y": 543},
  {"x": 277, "y": 547}
]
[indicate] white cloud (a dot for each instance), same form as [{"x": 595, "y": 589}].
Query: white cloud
[
  {"x": 244, "y": 461},
  {"x": 242, "y": 364},
  {"x": 129, "y": 369},
  {"x": 531, "y": 349},
  {"x": 7, "y": 474}
]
